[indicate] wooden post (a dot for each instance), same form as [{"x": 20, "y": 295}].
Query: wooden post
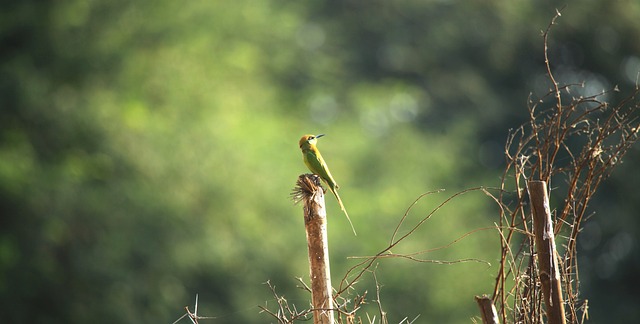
[
  {"x": 548, "y": 270},
  {"x": 487, "y": 310},
  {"x": 315, "y": 221}
]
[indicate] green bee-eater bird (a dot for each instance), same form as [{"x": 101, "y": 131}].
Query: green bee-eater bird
[{"x": 314, "y": 161}]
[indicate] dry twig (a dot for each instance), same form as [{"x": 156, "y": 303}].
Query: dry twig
[{"x": 574, "y": 145}]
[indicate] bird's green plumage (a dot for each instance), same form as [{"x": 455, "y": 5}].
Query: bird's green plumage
[
  {"x": 316, "y": 164},
  {"x": 314, "y": 161}
]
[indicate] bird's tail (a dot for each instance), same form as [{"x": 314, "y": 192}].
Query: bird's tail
[{"x": 335, "y": 193}]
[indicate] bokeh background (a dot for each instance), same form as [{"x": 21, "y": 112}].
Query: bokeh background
[{"x": 148, "y": 149}]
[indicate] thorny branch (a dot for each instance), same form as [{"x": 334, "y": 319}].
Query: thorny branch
[{"x": 576, "y": 143}]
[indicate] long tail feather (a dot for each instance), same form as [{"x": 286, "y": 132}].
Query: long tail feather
[{"x": 335, "y": 193}]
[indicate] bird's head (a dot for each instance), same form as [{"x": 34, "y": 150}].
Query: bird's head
[{"x": 309, "y": 140}]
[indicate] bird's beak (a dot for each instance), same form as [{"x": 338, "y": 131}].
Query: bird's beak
[{"x": 320, "y": 135}]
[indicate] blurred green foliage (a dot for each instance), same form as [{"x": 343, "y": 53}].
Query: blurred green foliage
[{"x": 148, "y": 148}]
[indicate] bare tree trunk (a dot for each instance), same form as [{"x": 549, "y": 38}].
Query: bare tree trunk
[
  {"x": 315, "y": 221},
  {"x": 488, "y": 310},
  {"x": 548, "y": 271}
]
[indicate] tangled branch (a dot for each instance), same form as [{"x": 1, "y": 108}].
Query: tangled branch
[{"x": 576, "y": 143}]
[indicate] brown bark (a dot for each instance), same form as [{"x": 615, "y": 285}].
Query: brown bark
[
  {"x": 487, "y": 310},
  {"x": 548, "y": 271},
  {"x": 315, "y": 221}
]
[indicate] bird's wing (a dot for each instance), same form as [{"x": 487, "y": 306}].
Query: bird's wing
[{"x": 316, "y": 164}]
